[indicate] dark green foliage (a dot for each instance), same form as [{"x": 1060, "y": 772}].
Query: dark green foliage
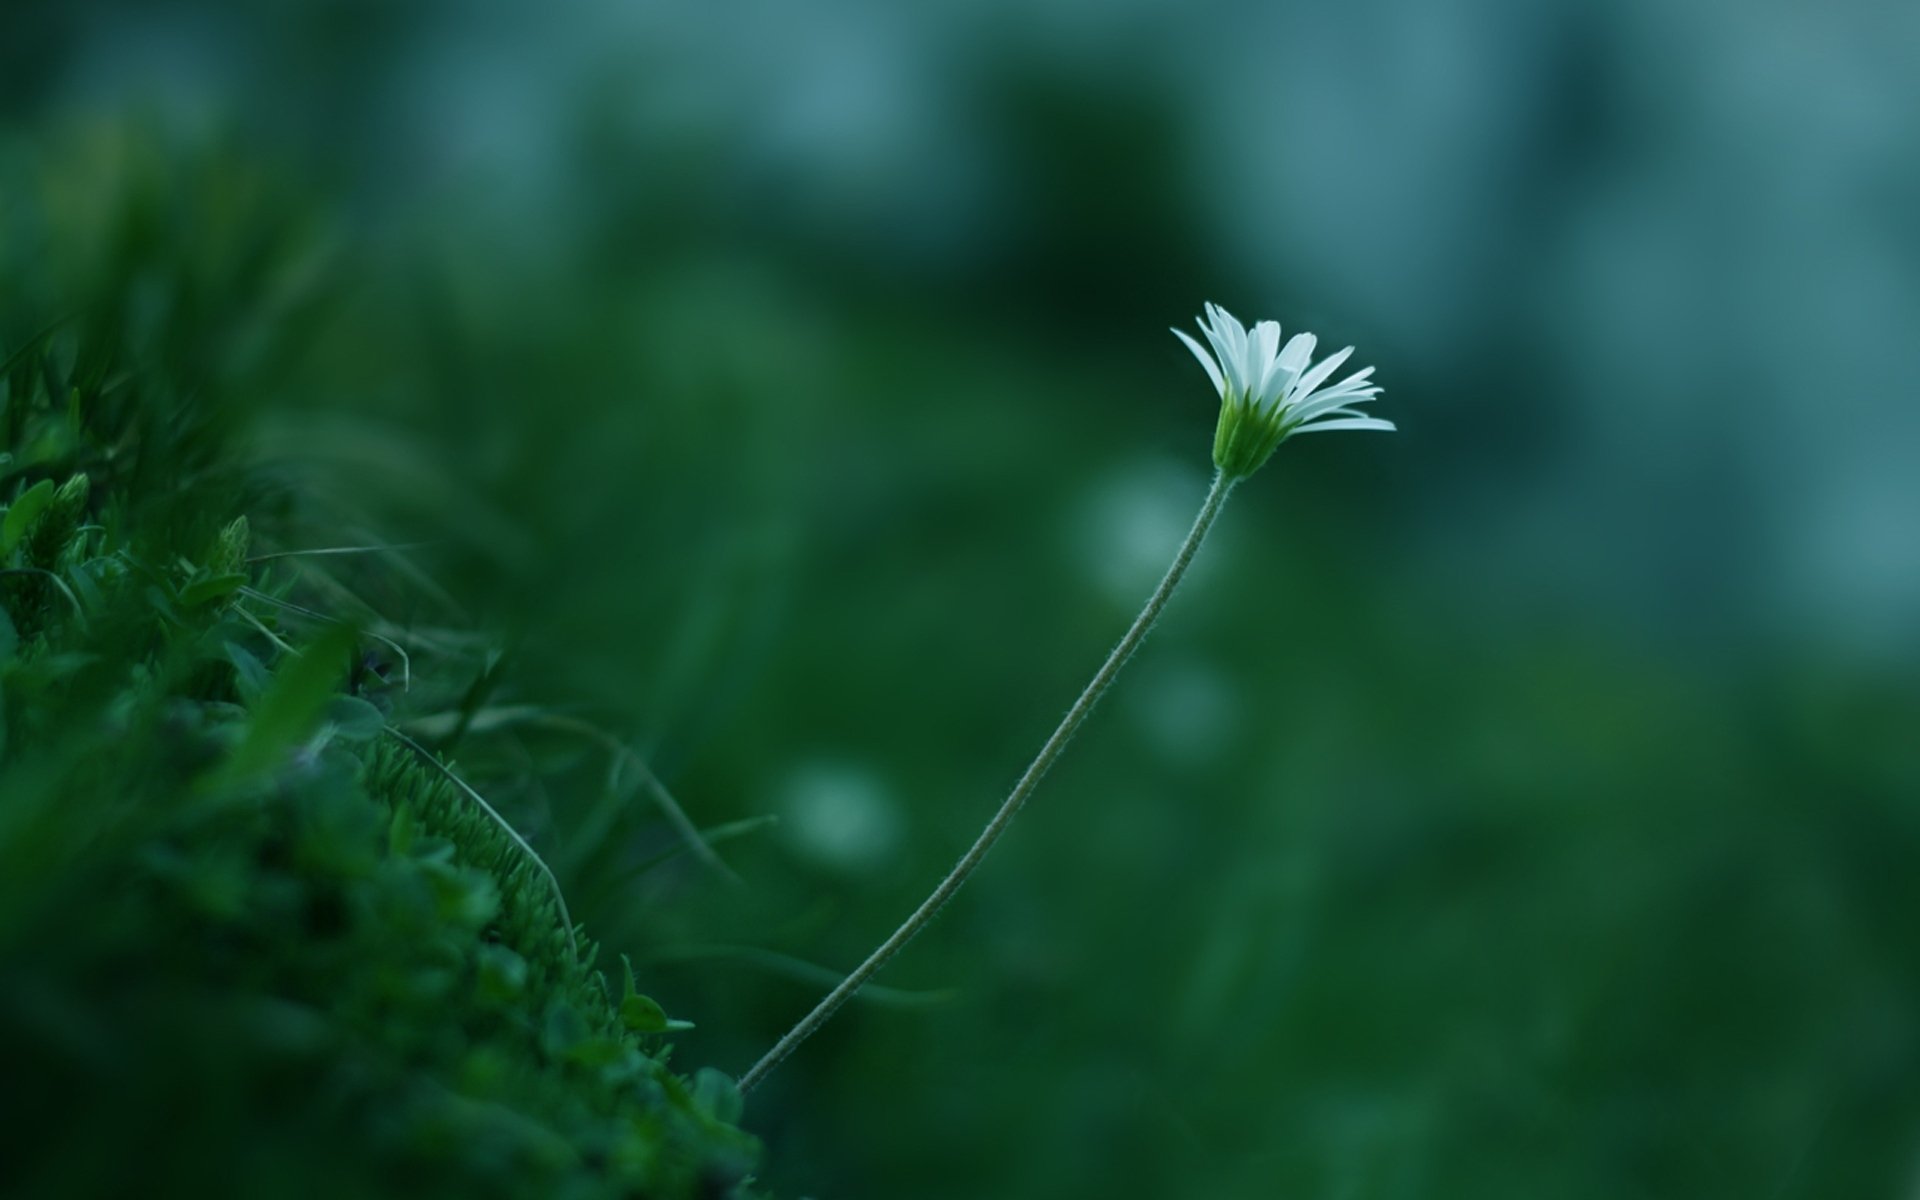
[{"x": 251, "y": 943}]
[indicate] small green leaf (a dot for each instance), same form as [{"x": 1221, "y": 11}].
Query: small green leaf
[
  {"x": 462, "y": 896},
  {"x": 290, "y": 708},
  {"x": 502, "y": 974},
  {"x": 209, "y": 588},
  {"x": 401, "y": 832},
  {"x": 21, "y": 515},
  {"x": 596, "y": 1052},
  {"x": 162, "y": 602},
  {"x": 643, "y": 1014},
  {"x": 354, "y": 720},
  {"x": 86, "y": 588},
  {"x": 717, "y": 1093},
  {"x": 250, "y": 676}
]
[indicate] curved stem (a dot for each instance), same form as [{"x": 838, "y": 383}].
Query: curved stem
[
  {"x": 506, "y": 827},
  {"x": 929, "y": 908}
]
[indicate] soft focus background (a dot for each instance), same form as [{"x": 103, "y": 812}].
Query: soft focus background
[{"x": 1523, "y": 804}]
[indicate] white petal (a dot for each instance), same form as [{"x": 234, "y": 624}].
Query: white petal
[
  {"x": 1206, "y": 360},
  {"x": 1321, "y": 403},
  {"x": 1228, "y": 341},
  {"x": 1292, "y": 360},
  {"x": 1327, "y": 366},
  {"x": 1260, "y": 351},
  {"x": 1265, "y": 342},
  {"x": 1348, "y": 389},
  {"x": 1342, "y": 394},
  {"x": 1299, "y": 352},
  {"x": 1348, "y": 423},
  {"x": 1227, "y": 326},
  {"x": 1237, "y": 334}
]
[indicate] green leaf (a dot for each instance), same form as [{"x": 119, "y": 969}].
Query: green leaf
[
  {"x": 354, "y": 720},
  {"x": 291, "y": 707},
  {"x": 716, "y": 1092},
  {"x": 21, "y": 515},
  {"x": 85, "y": 587},
  {"x": 250, "y": 675},
  {"x": 402, "y": 833},
  {"x": 462, "y": 896},
  {"x": 502, "y": 974},
  {"x": 597, "y": 1052},
  {"x": 643, "y": 1014}
]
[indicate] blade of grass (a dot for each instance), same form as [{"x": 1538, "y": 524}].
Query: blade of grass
[
  {"x": 801, "y": 970},
  {"x": 406, "y": 660},
  {"x": 553, "y": 882},
  {"x": 494, "y": 719}
]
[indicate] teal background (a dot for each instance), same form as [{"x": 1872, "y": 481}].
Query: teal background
[{"x": 1521, "y": 804}]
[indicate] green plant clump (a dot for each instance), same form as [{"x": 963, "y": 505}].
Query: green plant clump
[{"x": 252, "y": 940}]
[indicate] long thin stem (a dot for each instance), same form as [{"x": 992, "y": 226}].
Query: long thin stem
[{"x": 929, "y": 908}]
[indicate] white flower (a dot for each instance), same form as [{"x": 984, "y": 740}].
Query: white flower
[{"x": 1269, "y": 392}]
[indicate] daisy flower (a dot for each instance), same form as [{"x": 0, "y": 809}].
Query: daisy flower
[{"x": 1269, "y": 392}]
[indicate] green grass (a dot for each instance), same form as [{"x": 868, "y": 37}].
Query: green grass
[{"x": 254, "y": 939}]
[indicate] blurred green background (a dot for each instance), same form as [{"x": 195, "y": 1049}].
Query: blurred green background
[{"x": 1523, "y": 804}]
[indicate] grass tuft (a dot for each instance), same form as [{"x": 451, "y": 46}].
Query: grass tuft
[{"x": 254, "y": 940}]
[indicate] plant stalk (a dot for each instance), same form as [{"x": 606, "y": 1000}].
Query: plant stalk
[{"x": 931, "y": 906}]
